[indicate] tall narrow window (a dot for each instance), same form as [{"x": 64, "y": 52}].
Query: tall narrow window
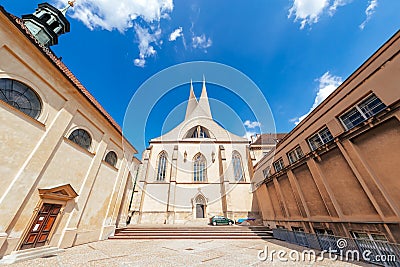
[
  {"x": 21, "y": 97},
  {"x": 237, "y": 167},
  {"x": 199, "y": 168},
  {"x": 81, "y": 138},
  {"x": 162, "y": 167}
]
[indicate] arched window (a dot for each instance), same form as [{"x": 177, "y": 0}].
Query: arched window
[
  {"x": 81, "y": 138},
  {"x": 21, "y": 97},
  {"x": 237, "y": 167},
  {"x": 199, "y": 168},
  {"x": 111, "y": 158},
  {"x": 45, "y": 18},
  {"x": 162, "y": 166},
  {"x": 54, "y": 25},
  {"x": 198, "y": 132}
]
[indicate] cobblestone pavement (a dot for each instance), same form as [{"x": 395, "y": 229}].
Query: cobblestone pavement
[{"x": 176, "y": 253}]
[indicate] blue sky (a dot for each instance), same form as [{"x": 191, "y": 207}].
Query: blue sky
[{"x": 296, "y": 52}]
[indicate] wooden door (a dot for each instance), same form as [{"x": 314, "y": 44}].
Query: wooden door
[
  {"x": 41, "y": 226},
  {"x": 199, "y": 211}
]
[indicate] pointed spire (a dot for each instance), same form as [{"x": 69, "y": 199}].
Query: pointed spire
[
  {"x": 64, "y": 10},
  {"x": 203, "y": 102},
  {"x": 192, "y": 102}
]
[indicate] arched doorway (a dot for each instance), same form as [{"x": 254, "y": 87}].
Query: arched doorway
[{"x": 200, "y": 203}]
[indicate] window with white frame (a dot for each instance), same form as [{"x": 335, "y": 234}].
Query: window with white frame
[
  {"x": 362, "y": 111},
  {"x": 295, "y": 154},
  {"x": 162, "y": 166},
  {"x": 320, "y": 138},
  {"x": 279, "y": 165},
  {"x": 199, "y": 168},
  {"x": 237, "y": 167}
]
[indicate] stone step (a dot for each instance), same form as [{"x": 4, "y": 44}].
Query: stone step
[
  {"x": 32, "y": 253},
  {"x": 213, "y": 228},
  {"x": 187, "y": 231},
  {"x": 190, "y": 237},
  {"x": 181, "y": 232},
  {"x": 192, "y": 234}
]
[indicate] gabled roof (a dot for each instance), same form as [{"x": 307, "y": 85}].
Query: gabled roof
[{"x": 198, "y": 113}]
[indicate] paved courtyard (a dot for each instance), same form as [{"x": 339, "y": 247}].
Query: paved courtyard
[{"x": 175, "y": 253}]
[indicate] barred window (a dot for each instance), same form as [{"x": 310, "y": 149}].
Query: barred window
[
  {"x": 199, "y": 168},
  {"x": 162, "y": 166},
  {"x": 320, "y": 138},
  {"x": 111, "y": 158},
  {"x": 237, "y": 167},
  {"x": 279, "y": 165},
  {"x": 364, "y": 110},
  {"x": 295, "y": 154},
  {"x": 21, "y": 97},
  {"x": 81, "y": 138}
]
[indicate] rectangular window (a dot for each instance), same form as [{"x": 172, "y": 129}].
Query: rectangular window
[
  {"x": 295, "y": 154},
  {"x": 352, "y": 118},
  {"x": 320, "y": 138},
  {"x": 362, "y": 111},
  {"x": 371, "y": 106},
  {"x": 278, "y": 165},
  {"x": 266, "y": 172}
]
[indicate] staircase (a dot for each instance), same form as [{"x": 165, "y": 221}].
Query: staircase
[{"x": 193, "y": 232}]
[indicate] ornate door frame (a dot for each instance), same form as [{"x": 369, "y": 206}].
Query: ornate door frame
[{"x": 46, "y": 216}]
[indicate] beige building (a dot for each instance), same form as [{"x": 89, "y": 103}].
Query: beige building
[
  {"x": 195, "y": 171},
  {"x": 337, "y": 172},
  {"x": 64, "y": 177},
  {"x": 262, "y": 144}
]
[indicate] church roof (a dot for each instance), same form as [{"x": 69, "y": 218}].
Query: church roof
[
  {"x": 198, "y": 113},
  {"x": 62, "y": 68}
]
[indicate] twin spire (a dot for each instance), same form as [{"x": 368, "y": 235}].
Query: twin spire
[{"x": 199, "y": 108}]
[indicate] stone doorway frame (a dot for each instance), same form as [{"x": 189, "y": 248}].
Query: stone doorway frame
[
  {"x": 55, "y": 195},
  {"x": 199, "y": 199}
]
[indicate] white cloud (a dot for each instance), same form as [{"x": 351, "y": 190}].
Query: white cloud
[
  {"x": 145, "y": 39},
  {"x": 175, "y": 34},
  {"x": 139, "y": 62},
  {"x": 336, "y": 4},
  {"x": 121, "y": 15},
  {"x": 308, "y": 11},
  {"x": 327, "y": 84},
  {"x": 110, "y": 14},
  {"x": 249, "y": 134},
  {"x": 252, "y": 124},
  {"x": 201, "y": 42},
  {"x": 372, "y": 4}
]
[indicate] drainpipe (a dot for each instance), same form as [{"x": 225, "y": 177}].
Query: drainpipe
[{"x": 133, "y": 191}]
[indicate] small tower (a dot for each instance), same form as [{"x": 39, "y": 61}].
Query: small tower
[{"x": 47, "y": 23}]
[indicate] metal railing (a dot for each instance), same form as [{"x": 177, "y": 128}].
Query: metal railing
[{"x": 372, "y": 251}]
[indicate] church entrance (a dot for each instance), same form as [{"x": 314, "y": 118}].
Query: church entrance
[
  {"x": 41, "y": 226},
  {"x": 199, "y": 211},
  {"x": 200, "y": 206}
]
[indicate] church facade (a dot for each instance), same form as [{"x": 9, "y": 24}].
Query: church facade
[{"x": 195, "y": 171}]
